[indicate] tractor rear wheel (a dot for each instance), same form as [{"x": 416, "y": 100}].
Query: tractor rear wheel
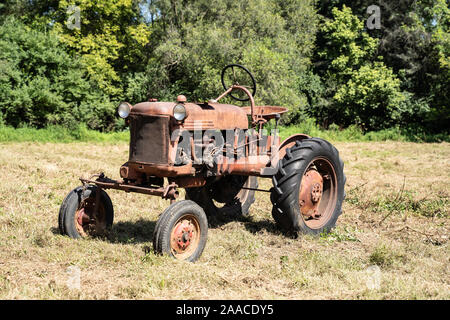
[
  {"x": 226, "y": 196},
  {"x": 308, "y": 189}
]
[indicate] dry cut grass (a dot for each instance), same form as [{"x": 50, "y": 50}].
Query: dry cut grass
[{"x": 396, "y": 217}]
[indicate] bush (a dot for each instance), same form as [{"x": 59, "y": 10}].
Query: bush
[
  {"x": 372, "y": 98},
  {"x": 188, "y": 57},
  {"x": 41, "y": 84}
]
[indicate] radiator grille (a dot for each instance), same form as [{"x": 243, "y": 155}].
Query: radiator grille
[{"x": 149, "y": 139}]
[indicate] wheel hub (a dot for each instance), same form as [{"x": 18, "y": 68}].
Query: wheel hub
[
  {"x": 87, "y": 221},
  {"x": 316, "y": 192},
  {"x": 82, "y": 217},
  {"x": 183, "y": 234},
  {"x": 311, "y": 193}
]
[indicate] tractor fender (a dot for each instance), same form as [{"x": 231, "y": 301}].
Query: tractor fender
[{"x": 287, "y": 143}]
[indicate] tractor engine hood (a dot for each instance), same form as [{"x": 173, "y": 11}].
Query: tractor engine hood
[{"x": 202, "y": 115}]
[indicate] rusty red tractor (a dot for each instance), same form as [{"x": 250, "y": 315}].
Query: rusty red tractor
[{"x": 216, "y": 152}]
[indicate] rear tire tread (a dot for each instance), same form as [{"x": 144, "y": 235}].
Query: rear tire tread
[{"x": 285, "y": 189}]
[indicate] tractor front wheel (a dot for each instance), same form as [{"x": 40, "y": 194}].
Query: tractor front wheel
[
  {"x": 181, "y": 231},
  {"x": 80, "y": 215},
  {"x": 308, "y": 189}
]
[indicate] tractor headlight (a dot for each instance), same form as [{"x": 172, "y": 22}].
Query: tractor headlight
[
  {"x": 124, "y": 110},
  {"x": 179, "y": 112}
]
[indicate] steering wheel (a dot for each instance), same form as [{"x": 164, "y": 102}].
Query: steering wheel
[{"x": 238, "y": 75}]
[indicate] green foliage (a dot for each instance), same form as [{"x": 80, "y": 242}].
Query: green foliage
[
  {"x": 111, "y": 39},
  {"x": 418, "y": 48},
  {"x": 41, "y": 84},
  {"x": 439, "y": 115},
  {"x": 354, "y": 133},
  {"x": 196, "y": 39},
  {"x": 414, "y": 43},
  {"x": 348, "y": 46},
  {"x": 371, "y": 98},
  {"x": 315, "y": 57},
  {"x": 359, "y": 89}
]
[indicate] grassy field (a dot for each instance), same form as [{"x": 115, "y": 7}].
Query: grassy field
[
  {"x": 59, "y": 134},
  {"x": 396, "y": 217}
]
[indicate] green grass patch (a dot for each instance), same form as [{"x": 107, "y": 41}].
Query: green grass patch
[
  {"x": 60, "y": 134},
  {"x": 82, "y": 134},
  {"x": 385, "y": 256},
  {"x": 355, "y": 134},
  {"x": 339, "y": 234},
  {"x": 401, "y": 203}
]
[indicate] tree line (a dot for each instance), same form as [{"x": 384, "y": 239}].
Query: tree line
[{"x": 72, "y": 61}]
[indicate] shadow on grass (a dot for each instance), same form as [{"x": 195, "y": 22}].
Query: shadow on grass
[
  {"x": 139, "y": 231},
  {"x": 126, "y": 232},
  {"x": 257, "y": 226},
  {"x": 248, "y": 222},
  {"x": 55, "y": 230}
]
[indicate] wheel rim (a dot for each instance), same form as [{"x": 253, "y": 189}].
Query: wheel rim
[
  {"x": 318, "y": 193},
  {"x": 87, "y": 222},
  {"x": 185, "y": 237}
]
